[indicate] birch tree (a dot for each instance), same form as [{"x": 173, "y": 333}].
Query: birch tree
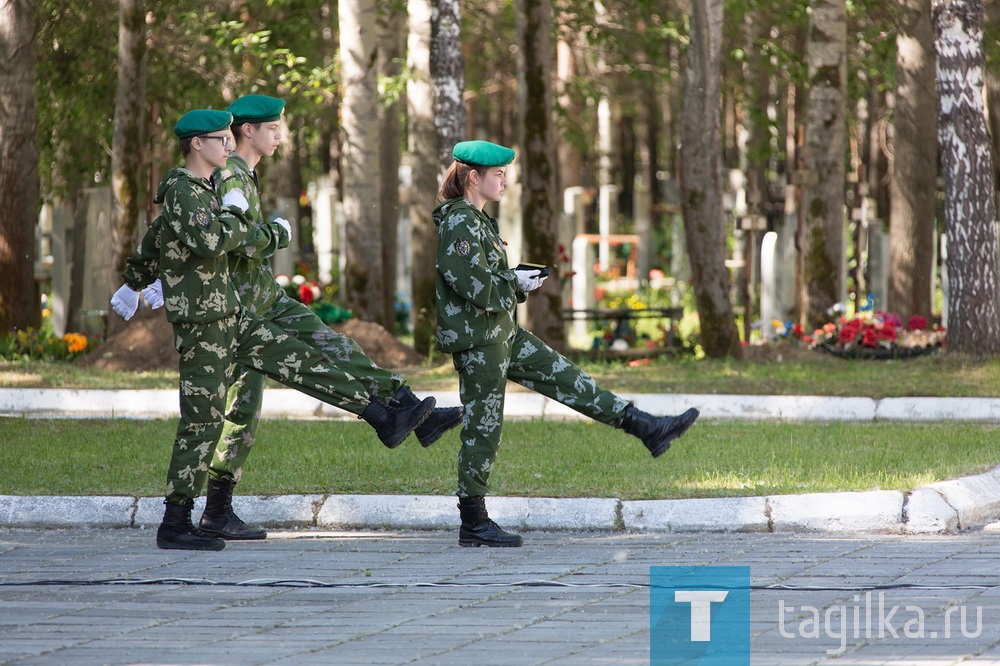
[
  {"x": 701, "y": 181},
  {"x": 821, "y": 234},
  {"x": 19, "y": 298},
  {"x": 360, "y": 164},
  {"x": 447, "y": 77},
  {"x": 970, "y": 207}
]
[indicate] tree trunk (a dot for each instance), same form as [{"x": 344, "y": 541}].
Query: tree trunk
[
  {"x": 126, "y": 144},
  {"x": 570, "y": 160},
  {"x": 970, "y": 207},
  {"x": 392, "y": 22},
  {"x": 360, "y": 159},
  {"x": 914, "y": 165},
  {"x": 539, "y": 189},
  {"x": 822, "y": 233},
  {"x": 425, "y": 166},
  {"x": 19, "y": 298},
  {"x": 702, "y": 184},
  {"x": 447, "y": 78}
]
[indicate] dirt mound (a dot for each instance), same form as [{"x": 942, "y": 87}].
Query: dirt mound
[
  {"x": 146, "y": 343},
  {"x": 380, "y": 345}
]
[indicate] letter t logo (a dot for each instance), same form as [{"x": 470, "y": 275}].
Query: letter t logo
[{"x": 701, "y": 611}]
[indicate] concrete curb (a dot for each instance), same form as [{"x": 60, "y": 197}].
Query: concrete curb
[
  {"x": 288, "y": 403},
  {"x": 943, "y": 507}
]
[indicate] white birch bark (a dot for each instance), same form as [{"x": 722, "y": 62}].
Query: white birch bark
[
  {"x": 821, "y": 242},
  {"x": 970, "y": 209}
]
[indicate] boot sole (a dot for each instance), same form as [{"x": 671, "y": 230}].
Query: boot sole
[
  {"x": 687, "y": 420},
  {"x": 428, "y": 438},
  {"x": 173, "y": 545},
  {"x": 232, "y": 537},
  {"x": 471, "y": 543}
]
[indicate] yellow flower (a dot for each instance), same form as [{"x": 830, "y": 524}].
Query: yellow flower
[{"x": 75, "y": 342}]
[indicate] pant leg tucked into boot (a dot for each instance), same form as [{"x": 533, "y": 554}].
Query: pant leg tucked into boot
[
  {"x": 176, "y": 532},
  {"x": 220, "y": 520},
  {"x": 478, "y": 530}
]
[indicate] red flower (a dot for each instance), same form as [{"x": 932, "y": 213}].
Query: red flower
[
  {"x": 916, "y": 323},
  {"x": 797, "y": 330},
  {"x": 849, "y": 331},
  {"x": 308, "y": 292},
  {"x": 888, "y": 333},
  {"x": 869, "y": 338}
]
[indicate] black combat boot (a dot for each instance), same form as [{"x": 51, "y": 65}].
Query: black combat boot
[
  {"x": 440, "y": 421},
  {"x": 478, "y": 530},
  {"x": 657, "y": 432},
  {"x": 395, "y": 418},
  {"x": 177, "y": 533},
  {"x": 219, "y": 519}
]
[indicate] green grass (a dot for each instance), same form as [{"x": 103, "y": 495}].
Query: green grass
[
  {"x": 786, "y": 371},
  {"x": 571, "y": 459}
]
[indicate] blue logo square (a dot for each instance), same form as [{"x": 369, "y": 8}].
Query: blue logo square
[{"x": 699, "y": 615}]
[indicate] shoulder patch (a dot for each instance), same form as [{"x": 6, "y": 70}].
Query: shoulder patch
[
  {"x": 201, "y": 217},
  {"x": 463, "y": 247}
]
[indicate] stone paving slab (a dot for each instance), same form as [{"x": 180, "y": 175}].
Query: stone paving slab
[{"x": 409, "y": 597}]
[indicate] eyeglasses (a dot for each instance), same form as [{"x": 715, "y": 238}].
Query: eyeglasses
[{"x": 224, "y": 138}]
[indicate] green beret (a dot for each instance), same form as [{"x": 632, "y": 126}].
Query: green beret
[
  {"x": 256, "y": 109},
  {"x": 202, "y": 121},
  {"x": 482, "y": 153}
]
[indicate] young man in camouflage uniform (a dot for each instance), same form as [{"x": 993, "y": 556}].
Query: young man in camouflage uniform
[
  {"x": 257, "y": 128},
  {"x": 212, "y": 332},
  {"x": 477, "y": 293}
]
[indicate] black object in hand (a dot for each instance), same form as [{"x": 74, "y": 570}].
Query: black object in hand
[{"x": 543, "y": 270}]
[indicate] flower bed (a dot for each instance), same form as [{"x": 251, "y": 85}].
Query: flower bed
[{"x": 879, "y": 336}]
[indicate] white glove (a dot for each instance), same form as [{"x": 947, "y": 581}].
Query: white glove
[
  {"x": 284, "y": 225},
  {"x": 236, "y": 198},
  {"x": 125, "y": 301},
  {"x": 154, "y": 295},
  {"x": 529, "y": 280}
]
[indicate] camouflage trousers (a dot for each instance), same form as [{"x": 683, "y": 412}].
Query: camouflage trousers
[
  {"x": 483, "y": 373},
  {"x": 246, "y": 392},
  {"x": 208, "y": 355}
]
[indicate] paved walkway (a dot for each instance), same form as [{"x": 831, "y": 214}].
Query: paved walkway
[{"x": 109, "y": 597}]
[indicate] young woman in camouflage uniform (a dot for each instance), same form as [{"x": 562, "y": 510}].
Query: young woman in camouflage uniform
[
  {"x": 477, "y": 293},
  {"x": 213, "y": 331}
]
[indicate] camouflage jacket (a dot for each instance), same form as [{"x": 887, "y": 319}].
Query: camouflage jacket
[
  {"x": 190, "y": 240},
  {"x": 249, "y": 265},
  {"x": 251, "y": 274},
  {"x": 476, "y": 291}
]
